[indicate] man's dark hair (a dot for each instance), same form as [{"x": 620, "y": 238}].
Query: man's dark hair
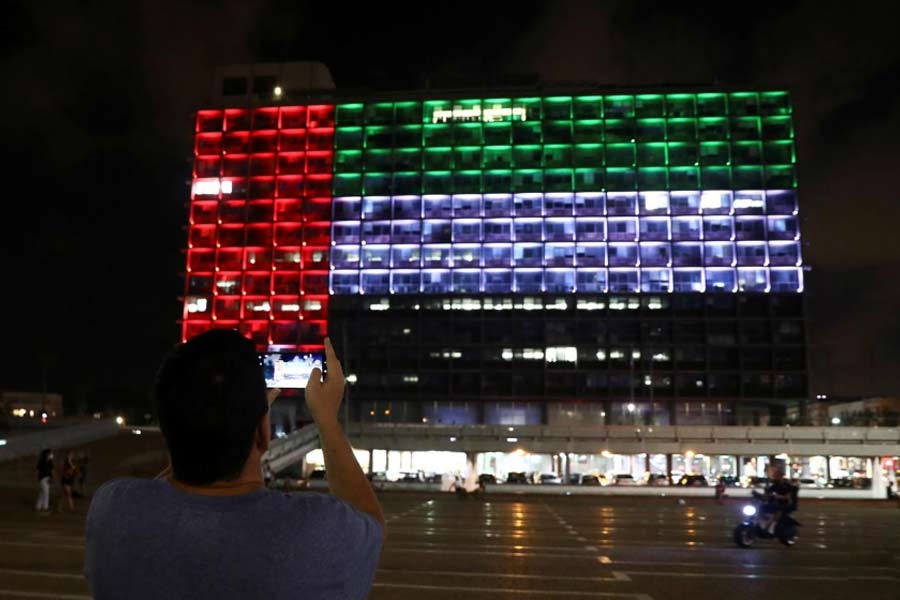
[{"x": 210, "y": 394}]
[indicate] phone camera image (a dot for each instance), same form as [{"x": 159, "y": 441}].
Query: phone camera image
[{"x": 290, "y": 370}]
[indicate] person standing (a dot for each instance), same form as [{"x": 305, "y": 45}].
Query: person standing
[
  {"x": 268, "y": 474},
  {"x": 69, "y": 473},
  {"x": 720, "y": 491},
  {"x": 208, "y": 527},
  {"x": 44, "y": 476}
]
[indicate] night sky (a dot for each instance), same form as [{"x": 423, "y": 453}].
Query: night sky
[{"x": 96, "y": 140}]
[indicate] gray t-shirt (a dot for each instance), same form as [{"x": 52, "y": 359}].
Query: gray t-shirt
[{"x": 148, "y": 539}]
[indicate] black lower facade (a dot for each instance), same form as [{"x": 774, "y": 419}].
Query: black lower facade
[{"x": 673, "y": 359}]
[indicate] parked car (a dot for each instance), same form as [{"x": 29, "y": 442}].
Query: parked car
[
  {"x": 574, "y": 479},
  {"x": 806, "y": 482},
  {"x": 757, "y": 482},
  {"x": 589, "y": 479},
  {"x": 550, "y": 479},
  {"x": 656, "y": 479},
  {"x": 693, "y": 481},
  {"x": 288, "y": 484},
  {"x": 862, "y": 483},
  {"x": 486, "y": 478},
  {"x": 517, "y": 477},
  {"x": 411, "y": 477},
  {"x": 623, "y": 479}
]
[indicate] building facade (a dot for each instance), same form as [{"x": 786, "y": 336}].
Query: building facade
[{"x": 596, "y": 258}]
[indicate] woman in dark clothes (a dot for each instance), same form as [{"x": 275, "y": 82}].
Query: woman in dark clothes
[{"x": 70, "y": 471}]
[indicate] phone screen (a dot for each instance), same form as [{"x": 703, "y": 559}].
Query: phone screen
[{"x": 290, "y": 370}]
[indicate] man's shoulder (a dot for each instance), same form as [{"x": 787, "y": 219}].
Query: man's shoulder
[
  {"x": 325, "y": 510},
  {"x": 315, "y": 503},
  {"x": 121, "y": 487}
]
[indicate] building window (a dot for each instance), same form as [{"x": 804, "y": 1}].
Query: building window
[
  {"x": 466, "y": 281},
  {"x": 623, "y": 255},
  {"x": 686, "y": 228},
  {"x": 751, "y": 253},
  {"x": 655, "y": 280},
  {"x": 718, "y": 254},
  {"x": 559, "y": 281},
  {"x": 753, "y": 280},
  {"x": 623, "y": 280},
  {"x": 655, "y": 254},
  {"x": 688, "y": 280},
  {"x": 687, "y": 254},
  {"x": 786, "y": 280},
  {"x": 720, "y": 280}
]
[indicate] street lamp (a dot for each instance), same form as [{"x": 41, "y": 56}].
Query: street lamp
[
  {"x": 630, "y": 406},
  {"x": 835, "y": 420}
]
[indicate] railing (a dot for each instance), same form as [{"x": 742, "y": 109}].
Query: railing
[{"x": 292, "y": 448}]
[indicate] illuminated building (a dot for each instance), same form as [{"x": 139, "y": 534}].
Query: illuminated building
[{"x": 618, "y": 258}]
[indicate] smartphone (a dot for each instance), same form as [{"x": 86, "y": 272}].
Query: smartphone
[{"x": 290, "y": 370}]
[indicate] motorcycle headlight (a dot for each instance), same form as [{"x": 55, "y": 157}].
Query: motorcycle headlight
[{"x": 749, "y": 510}]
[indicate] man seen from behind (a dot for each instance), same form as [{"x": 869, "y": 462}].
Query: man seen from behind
[{"x": 210, "y": 528}]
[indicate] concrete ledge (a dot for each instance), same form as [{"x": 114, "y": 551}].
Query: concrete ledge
[
  {"x": 797, "y": 441},
  {"x": 30, "y": 444},
  {"x": 674, "y": 491}
]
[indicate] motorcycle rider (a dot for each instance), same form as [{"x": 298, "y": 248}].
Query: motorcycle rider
[{"x": 781, "y": 496}]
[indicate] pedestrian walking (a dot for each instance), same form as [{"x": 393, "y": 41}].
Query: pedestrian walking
[
  {"x": 720, "y": 491},
  {"x": 44, "y": 477}
]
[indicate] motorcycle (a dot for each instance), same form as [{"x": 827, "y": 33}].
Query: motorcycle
[{"x": 757, "y": 524}]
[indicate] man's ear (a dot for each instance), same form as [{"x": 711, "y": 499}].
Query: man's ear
[{"x": 263, "y": 434}]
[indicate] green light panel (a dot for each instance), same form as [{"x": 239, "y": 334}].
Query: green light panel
[{"x": 614, "y": 142}]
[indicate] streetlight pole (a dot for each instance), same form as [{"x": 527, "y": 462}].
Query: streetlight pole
[
  {"x": 631, "y": 383},
  {"x": 651, "y": 420},
  {"x": 43, "y": 386}
]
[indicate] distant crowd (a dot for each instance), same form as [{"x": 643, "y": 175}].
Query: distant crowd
[{"x": 71, "y": 477}]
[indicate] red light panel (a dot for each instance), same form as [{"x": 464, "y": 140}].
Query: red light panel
[{"x": 260, "y": 225}]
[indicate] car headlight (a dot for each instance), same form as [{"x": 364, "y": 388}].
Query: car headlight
[{"x": 749, "y": 510}]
